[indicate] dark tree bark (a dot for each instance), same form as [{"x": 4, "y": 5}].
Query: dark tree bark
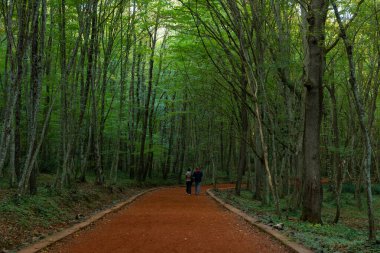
[
  {"x": 35, "y": 89},
  {"x": 243, "y": 135},
  {"x": 16, "y": 75},
  {"x": 221, "y": 137},
  {"x": 152, "y": 43},
  {"x": 104, "y": 87},
  {"x": 167, "y": 167},
  {"x": 337, "y": 166},
  {"x": 62, "y": 173},
  {"x": 91, "y": 78},
  {"x": 183, "y": 137},
  {"x": 29, "y": 174},
  {"x": 261, "y": 182},
  {"x": 314, "y": 68},
  {"x": 230, "y": 150}
]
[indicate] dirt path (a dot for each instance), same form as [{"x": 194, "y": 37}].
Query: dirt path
[{"x": 169, "y": 221}]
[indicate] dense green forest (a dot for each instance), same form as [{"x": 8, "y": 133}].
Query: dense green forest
[{"x": 277, "y": 96}]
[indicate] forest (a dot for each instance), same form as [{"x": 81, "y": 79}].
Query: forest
[{"x": 279, "y": 97}]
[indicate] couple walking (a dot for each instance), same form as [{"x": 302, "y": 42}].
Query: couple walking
[{"x": 196, "y": 177}]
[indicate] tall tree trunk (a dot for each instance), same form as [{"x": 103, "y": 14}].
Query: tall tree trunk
[
  {"x": 91, "y": 77},
  {"x": 171, "y": 140},
  {"x": 337, "y": 166},
  {"x": 16, "y": 75},
  {"x": 230, "y": 148},
  {"x": 313, "y": 82},
  {"x": 132, "y": 112},
  {"x": 221, "y": 137},
  {"x": 152, "y": 118},
  {"x": 37, "y": 38},
  {"x": 183, "y": 138},
  {"x": 243, "y": 135},
  {"x": 362, "y": 122},
  {"x": 261, "y": 182},
  {"x": 123, "y": 66},
  {"x": 62, "y": 172},
  {"x": 153, "y": 41},
  {"x": 103, "y": 115}
]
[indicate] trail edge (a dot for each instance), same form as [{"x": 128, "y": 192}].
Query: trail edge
[
  {"x": 38, "y": 246},
  {"x": 293, "y": 246}
]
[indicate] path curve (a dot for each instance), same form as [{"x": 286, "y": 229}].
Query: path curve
[{"x": 170, "y": 221}]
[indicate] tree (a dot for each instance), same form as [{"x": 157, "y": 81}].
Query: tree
[{"x": 314, "y": 13}]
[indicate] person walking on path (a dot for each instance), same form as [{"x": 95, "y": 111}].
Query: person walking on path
[
  {"x": 189, "y": 181},
  {"x": 197, "y": 175}
]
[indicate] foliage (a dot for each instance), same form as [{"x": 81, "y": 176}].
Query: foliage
[
  {"x": 40, "y": 209},
  {"x": 321, "y": 238}
]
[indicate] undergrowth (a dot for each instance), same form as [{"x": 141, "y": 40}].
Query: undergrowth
[
  {"x": 25, "y": 219},
  {"x": 349, "y": 235},
  {"x": 40, "y": 209}
]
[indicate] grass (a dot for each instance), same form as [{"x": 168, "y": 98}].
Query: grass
[
  {"x": 349, "y": 235},
  {"x": 43, "y": 209}
]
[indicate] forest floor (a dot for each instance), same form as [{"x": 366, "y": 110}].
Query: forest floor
[
  {"x": 24, "y": 220},
  {"x": 169, "y": 220},
  {"x": 349, "y": 235}
]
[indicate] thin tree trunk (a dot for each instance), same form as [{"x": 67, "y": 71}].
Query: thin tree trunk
[
  {"x": 171, "y": 140},
  {"x": 153, "y": 41},
  {"x": 16, "y": 75},
  {"x": 337, "y": 166},
  {"x": 244, "y": 135},
  {"x": 61, "y": 177},
  {"x": 221, "y": 137},
  {"x": 229, "y": 156},
  {"x": 91, "y": 78},
  {"x": 29, "y": 172},
  {"x": 183, "y": 139},
  {"x": 362, "y": 122}
]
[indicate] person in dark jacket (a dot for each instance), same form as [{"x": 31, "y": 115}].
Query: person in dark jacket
[
  {"x": 189, "y": 181},
  {"x": 197, "y": 175}
]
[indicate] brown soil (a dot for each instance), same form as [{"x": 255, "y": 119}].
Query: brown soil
[{"x": 168, "y": 221}]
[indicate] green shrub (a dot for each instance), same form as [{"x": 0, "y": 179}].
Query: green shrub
[
  {"x": 350, "y": 188},
  {"x": 376, "y": 189},
  {"x": 320, "y": 238},
  {"x": 28, "y": 210}
]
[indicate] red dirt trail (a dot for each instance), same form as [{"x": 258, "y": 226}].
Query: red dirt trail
[{"x": 170, "y": 221}]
